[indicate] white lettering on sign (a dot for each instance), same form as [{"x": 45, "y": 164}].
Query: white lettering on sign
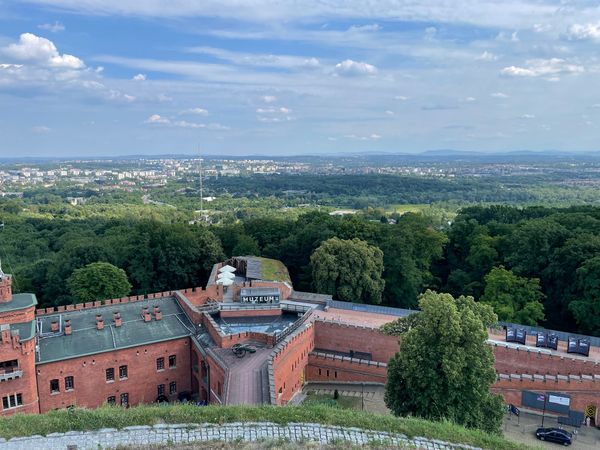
[
  {"x": 260, "y": 298},
  {"x": 566, "y": 401}
]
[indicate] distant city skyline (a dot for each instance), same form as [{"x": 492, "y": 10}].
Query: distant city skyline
[{"x": 84, "y": 78}]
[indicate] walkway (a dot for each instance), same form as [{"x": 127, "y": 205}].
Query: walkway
[
  {"x": 231, "y": 432},
  {"x": 247, "y": 384}
]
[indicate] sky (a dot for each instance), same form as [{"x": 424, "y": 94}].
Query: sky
[{"x": 276, "y": 77}]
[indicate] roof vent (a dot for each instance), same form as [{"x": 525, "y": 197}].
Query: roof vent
[
  {"x": 157, "y": 314},
  {"x": 146, "y": 315},
  {"x": 54, "y": 326}
]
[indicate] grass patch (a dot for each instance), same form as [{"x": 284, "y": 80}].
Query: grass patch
[
  {"x": 273, "y": 270},
  {"x": 117, "y": 417},
  {"x": 327, "y": 400}
]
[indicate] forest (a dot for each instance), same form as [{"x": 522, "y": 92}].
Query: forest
[{"x": 534, "y": 265}]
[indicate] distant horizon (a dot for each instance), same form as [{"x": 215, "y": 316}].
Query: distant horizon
[{"x": 433, "y": 153}]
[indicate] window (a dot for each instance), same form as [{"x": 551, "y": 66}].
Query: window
[
  {"x": 110, "y": 374},
  {"x": 122, "y": 372},
  {"x": 172, "y": 387},
  {"x": 172, "y": 361},
  {"x": 12, "y": 401},
  {"x": 160, "y": 363},
  {"x": 111, "y": 400},
  {"x": 54, "y": 388},
  {"x": 9, "y": 366},
  {"x": 69, "y": 383},
  {"x": 125, "y": 399},
  {"x": 161, "y": 389}
]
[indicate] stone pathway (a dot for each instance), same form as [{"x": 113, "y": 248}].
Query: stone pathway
[
  {"x": 184, "y": 433},
  {"x": 246, "y": 375}
]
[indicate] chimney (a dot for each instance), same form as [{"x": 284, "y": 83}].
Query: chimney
[
  {"x": 54, "y": 326},
  {"x": 146, "y": 314},
  {"x": 99, "y": 322},
  {"x": 68, "y": 330},
  {"x": 156, "y": 308},
  {"x": 117, "y": 319},
  {"x": 157, "y": 314}
]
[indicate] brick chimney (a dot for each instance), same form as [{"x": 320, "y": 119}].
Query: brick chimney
[
  {"x": 146, "y": 314},
  {"x": 157, "y": 313},
  {"x": 54, "y": 326},
  {"x": 117, "y": 319},
  {"x": 68, "y": 329},
  {"x": 99, "y": 322}
]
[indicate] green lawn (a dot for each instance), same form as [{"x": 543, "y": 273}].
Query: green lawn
[
  {"x": 116, "y": 417},
  {"x": 328, "y": 400}
]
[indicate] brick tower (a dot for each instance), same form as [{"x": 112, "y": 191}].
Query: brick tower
[{"x": 5, "y": 286}]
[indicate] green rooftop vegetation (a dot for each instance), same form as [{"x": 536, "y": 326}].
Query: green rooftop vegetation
[
  {"x": 117, "y": 417},
  {"x": 274, "y": 270}
]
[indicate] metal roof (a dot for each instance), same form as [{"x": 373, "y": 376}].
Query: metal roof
[
  {"x": 87, "y": 340},
  {"x": 26, "y": 330},
  {"x": 259, "y": 291},
  {"x": 19, "y": 301}
]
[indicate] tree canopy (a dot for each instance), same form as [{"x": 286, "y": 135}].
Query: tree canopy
[
  {"x": 349, "y": 270},
  {"x": 98, "y": 281},
  {"x": 514, "y": 299},
  {"x": 445, "y": 367}
]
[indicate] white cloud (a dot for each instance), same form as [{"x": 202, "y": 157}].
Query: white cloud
[
  {"x": 55, "y": 27},
  {"x": 543, "y": 68},
  {"x": 370, "y": 137},
  {"x": 164, "y": 98},
  {"x": 157, "y": 118},
  {"x": 487, "y": 56},
  {"x": 584, "y": 31},
  {"x": 401, "y": 97},
  {"x": 470, "y": 99},
  {"x": 389, "y": 113},
  {"x": 498, "y": 95},
  {"x": 503, "y": 36},
  {"x": 274, "y": 114},
  {"x": 269, "y": 98},
  {"x": 367, "y": 28},
  {"x": 197, "y": 111},
  {"x": 290, "y": 62},
  {"x": 41, "y": 51},
  {"x": 139, "y": 77},
  {"x": 41, "y": 129},
  {"x": 527, "y": 116},
  {"x": 350, "y": 67}
]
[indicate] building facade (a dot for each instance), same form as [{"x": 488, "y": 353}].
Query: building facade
[{"x": 179, "y": 345}]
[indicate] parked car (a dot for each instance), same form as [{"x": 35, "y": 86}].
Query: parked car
[{"x": 557, "y": 435}]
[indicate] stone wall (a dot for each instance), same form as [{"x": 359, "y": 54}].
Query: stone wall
[{"x": 231, "y": 432}]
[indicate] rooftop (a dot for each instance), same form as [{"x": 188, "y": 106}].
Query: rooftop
[
  {"x": 266, "y": 269},
  {"x": 19, "y": 301},
  {"x": 26, "y": 330},
  {"x": 87, "y": 340}
]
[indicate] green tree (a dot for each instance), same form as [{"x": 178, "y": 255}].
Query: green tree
[
  {"x": 246, "y": 245},
  {"x": 514, "y": 299},
  {"x": 587, "y": 308},
  {"x": 349, "y": 270},
  {"x": 445, "y": 367},
  {"x": 98, "y": 281}
]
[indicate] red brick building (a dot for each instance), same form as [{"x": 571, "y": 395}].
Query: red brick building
[{"x": 178, "y": 345}]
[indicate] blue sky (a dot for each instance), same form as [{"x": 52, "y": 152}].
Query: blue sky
[{"x": 92, "y": 77}]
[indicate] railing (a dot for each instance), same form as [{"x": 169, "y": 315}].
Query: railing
[
  {"x": 10, "y": 374},
  {"x": 281, "y": 336},
  {"x": 248, "y": 306}
]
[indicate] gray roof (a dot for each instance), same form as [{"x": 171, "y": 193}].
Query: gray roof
[
  {"x": 259, "y": 291},
  {"x": 26, "y": 329},
  {"x": 19, "y": 301},
  {"x": 87, "y": 340},
  {"x": 387, "y": 310}
]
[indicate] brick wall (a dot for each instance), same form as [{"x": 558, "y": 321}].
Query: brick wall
[
  {"x": 511, "y": 360},
  {"x": 323, "y": 367},
  {"x": 89, "y": 372},
  {"x": 290, "y": 361},
  {"x": 275, "y": 311},
  {"x": 343, "y": 338},
  {"x": 583, "y": 392},
  {"x": 217, "y": 377},
  {"x": 24, "y": 352}
]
